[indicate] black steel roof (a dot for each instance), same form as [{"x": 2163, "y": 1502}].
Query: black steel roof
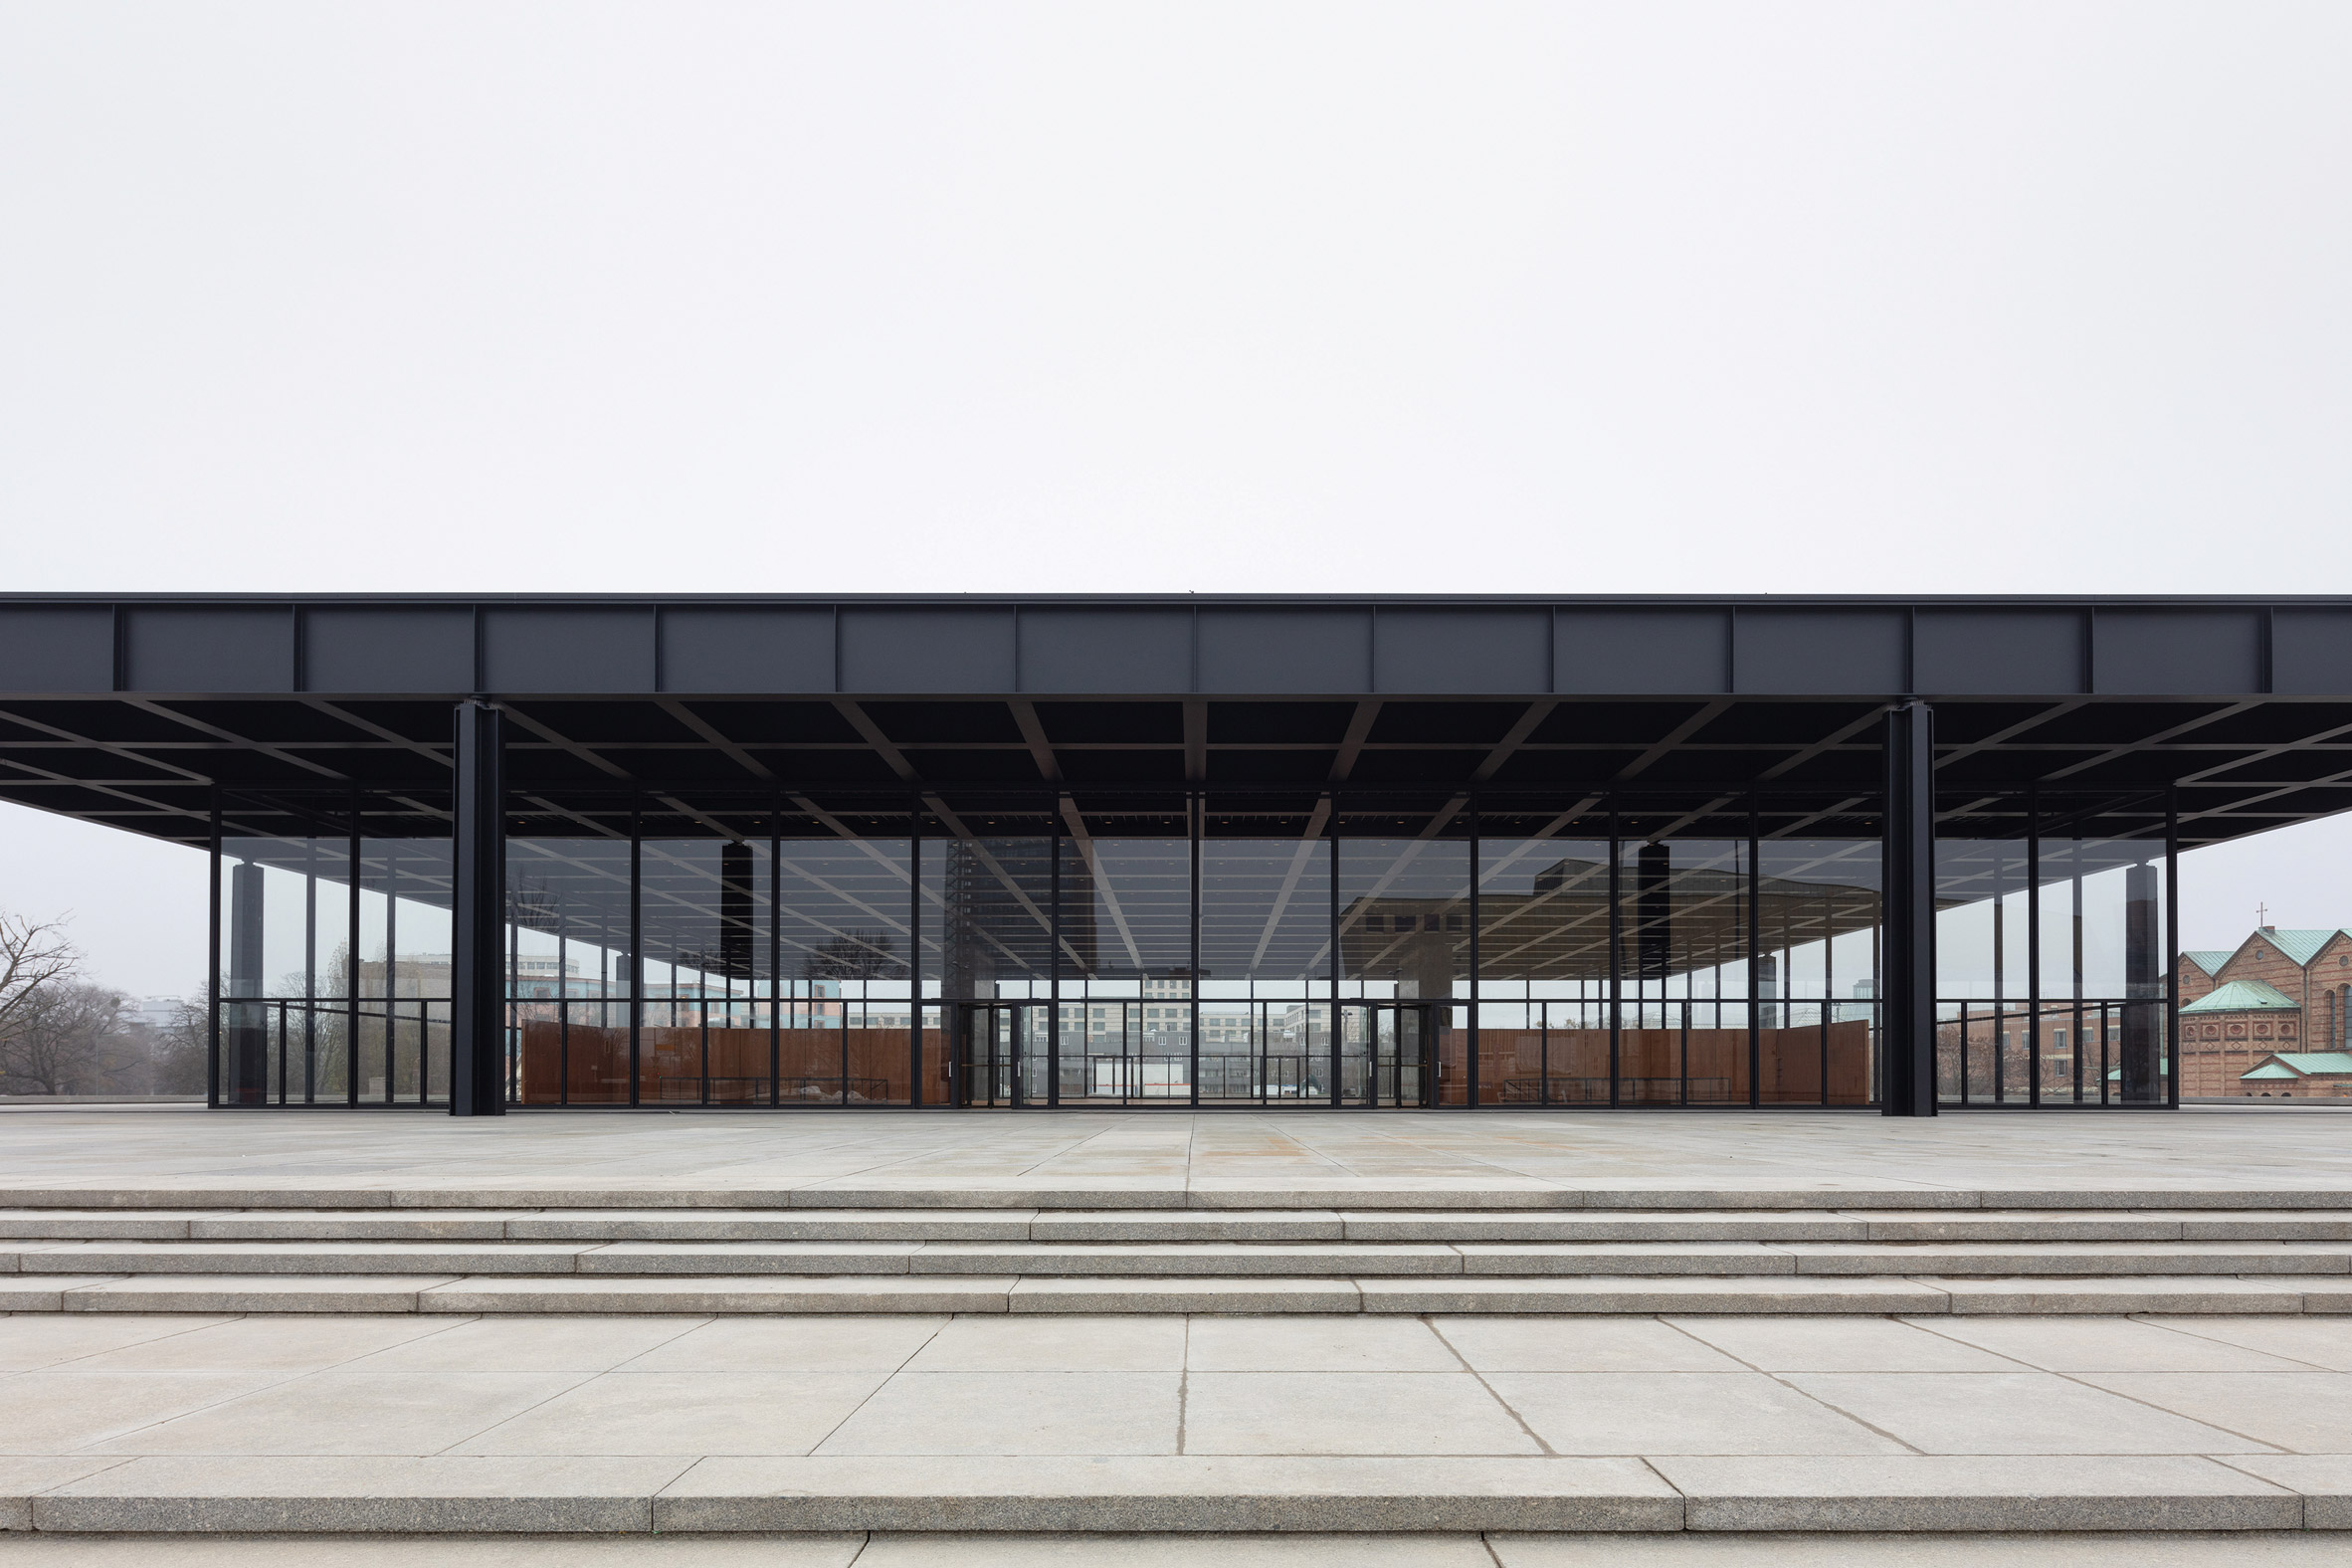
[{"x": 130, "y": 709}]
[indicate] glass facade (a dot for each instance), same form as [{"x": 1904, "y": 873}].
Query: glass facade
[
  {"x": 1072, "y": 947},
  {"x": 333, "y": 954},
  {"x": 2053, "y": 929}
]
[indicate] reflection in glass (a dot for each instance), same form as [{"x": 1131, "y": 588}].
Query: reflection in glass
[
  {"x": 846, "y": 1010},
  {"x": 567, "y": 962},
  {"x": 1404, "y": 938},
  {"x": 1683, "y": 947},
  {"x": 1544, "y": 971},
  {"x": 1126, "y": 982},
  {"x": 287, "y": 950},
  {"x": 1818, "y": 910}
]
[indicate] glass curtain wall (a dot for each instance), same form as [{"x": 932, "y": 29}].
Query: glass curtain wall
[
  {"x": 2052, "y": 925},
  {"x": 1338, "y": 949},
  {"x": 332, "y": 966},
  {"x": 987, "y": 885},
  {"x": 1266, "y": 956},
  {"x": 1818, "y": 908},
  {"x": 846, "y": 1016},
  {"x": 568, "y": 943},
  {"x": 1543, "y": 960},
  {"x": 1690, "y": 1030},
  {"x": 1406, "y": 934},
  {"x": 1125, "y": 1021}
]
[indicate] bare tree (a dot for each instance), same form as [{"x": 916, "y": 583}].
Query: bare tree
[
  {"x": 66, "y": 1038},
  {"x": 176, "y": 1050},
  {"x": 34, "y": 956}
]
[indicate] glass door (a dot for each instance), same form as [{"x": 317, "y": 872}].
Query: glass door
[
  {"x": 1003, "y": 1054},
  {"x": 1386, "y": 1052},
  {"x": 1121, "y": 1049}
]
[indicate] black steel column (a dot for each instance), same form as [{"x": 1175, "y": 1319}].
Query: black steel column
[
  {"x": 478, "y": 1034},
  {"x": 1471, "y": 1097},
  {"x": 1054, "y": 968},
  {"x": 2172, "y": 950},
  {"x": 1757, "y": 958},
  {"x": 249, "y": 1039},
  {"x": 633, "y": 964},
  {"x": 776, "y": 959},
  {"x": 1906, "y": 1078},
  {"x": 1195, "y": 823},
  {"x": 2032, "y": 947},
  {"x": 212, "y": 968},
  {"x": 1338, "y": 966},
  {"x": 2142, "y": 1065},
  {"x": 1616, "y": 960}
]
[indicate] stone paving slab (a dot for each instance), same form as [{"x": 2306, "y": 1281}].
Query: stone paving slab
[
  {"x": 2142, "y": 1293},
  {"x": 400, "y": 1256},
  {"x": 899, "y": 1224},
  {"x": 1197, "y": 1225},
  {"x": 1996, "y": 1259},
  {"x": 720, "y": 1293},
  {"x": 2323, "y": 1479},
  {"x": 1772, "y": 1293},
  {"x": 1185, "y": 1259},
  {"x": 1257, "y": 1194},
  {"x": 1744, "y": 1258},
  {"x": 1080, "y": 1294},
  {"x": 375, "y": 1494},
  {"x": 1941, "y": 1493},
  {"x": 1154, "y": 1423},
  {"x": 150, "y": 1224},
  {"x": 23, "y": 1475},
  {"x": 1168, "y": 1494},
  {"x": 749, "y": 1257},
  {"x": 248, "y": 1293},
  {"x": 1287, "y": 1549}
]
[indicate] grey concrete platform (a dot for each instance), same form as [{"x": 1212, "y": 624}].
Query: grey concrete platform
[
  {"x": 400, "y": 1423},
  {"x": 2136, "y": 1549},
  {"x": 1505, "y": 1162}
]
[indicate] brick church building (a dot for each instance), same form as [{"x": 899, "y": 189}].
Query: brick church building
[{"x": 2269, "y": 1018}]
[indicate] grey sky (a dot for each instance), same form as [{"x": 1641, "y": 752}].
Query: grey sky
[{"x": 1578, "y": 298}]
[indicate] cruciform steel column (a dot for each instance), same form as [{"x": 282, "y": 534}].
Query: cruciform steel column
[
  {"x": 478, "y": 955},
  {"x": 1906, "y": 1080}
]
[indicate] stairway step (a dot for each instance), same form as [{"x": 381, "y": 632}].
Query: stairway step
[
  {"x": 1703, "y": 1225},
  {"x": 1197, "y": 1260},
  {"x": 941, "y": 1293},
  {"x": 1223, "y": 1194},
  {"x": 806, "y": 1225},
  {"x": 1431, "y": 1226},
  {"x": 1901, "y": 1493},
  {"x": 2078, "y": 1257},
  {"x": 294, "y": 1258},
  {"x": 723, "y": 1293}
]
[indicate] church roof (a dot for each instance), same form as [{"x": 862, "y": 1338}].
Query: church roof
[
  {"x": 2301, "y": 946},
  {"x": 2301, "y": 1064},
  {"x": 2243, "y": 996},
  {"x": 2209, "y": 959}
]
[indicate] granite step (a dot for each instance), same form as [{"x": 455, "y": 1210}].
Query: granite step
[
  {"x": 2277, "y": 1294},
  {"x": 383, "y": 1496},
  {"x": 1453, "y": 1195},
  {"x": 1126, "y": 1226},
  {"x": 1189, "y": 1259}
]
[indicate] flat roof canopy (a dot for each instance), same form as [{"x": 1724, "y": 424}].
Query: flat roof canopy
[{"x": 131, "y": 711}]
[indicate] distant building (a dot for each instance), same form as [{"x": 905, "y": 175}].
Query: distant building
[
  {"x": 2315, "y": 1074},
  {"x": 2278, "y": 997}
]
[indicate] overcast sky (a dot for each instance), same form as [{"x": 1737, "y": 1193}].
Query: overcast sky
[{"x": 1565, "y": 297}]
